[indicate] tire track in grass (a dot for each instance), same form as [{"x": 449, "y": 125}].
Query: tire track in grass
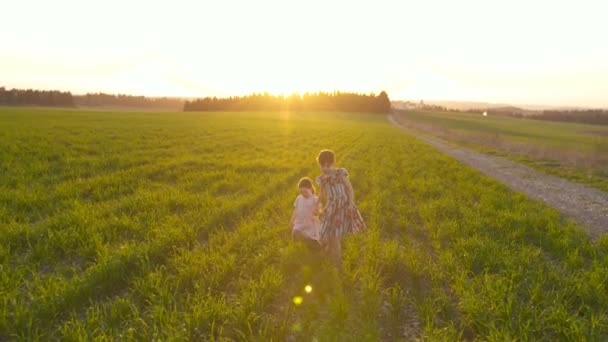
[
  {"x": 422, "y": 241},
  {"x": 409, "y": 258},
  {"x": 402, "y": 275},
  {"x": 376, "y": 298},
  {"x": 397, "y": 316},
  {"x": 434, "y": 298}
]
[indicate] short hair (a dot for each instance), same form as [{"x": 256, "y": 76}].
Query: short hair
[
  {"x": 306, "y": 183},
  {"x": 326, "y": 157}
]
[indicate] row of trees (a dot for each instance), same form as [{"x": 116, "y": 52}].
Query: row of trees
[
  {"x": 591, "y": 116},
  {"x": 587, "y": 116},
  {"x": 22, "y": 97},
  {"x": 120, "y": 100},
  {"x": 321, "y": 101},
  {"x": 54, "y": 98}
]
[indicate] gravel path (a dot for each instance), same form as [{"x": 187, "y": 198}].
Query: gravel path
[{"x": 586, "y": 205}]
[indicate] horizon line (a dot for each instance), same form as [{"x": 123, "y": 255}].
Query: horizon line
[{"x": 415, "y": 100}]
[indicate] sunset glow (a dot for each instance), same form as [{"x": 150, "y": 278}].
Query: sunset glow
[{"x": 544, "y": 52}]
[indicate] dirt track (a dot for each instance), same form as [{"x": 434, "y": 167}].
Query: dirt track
[{"x": 585, "y": 205}]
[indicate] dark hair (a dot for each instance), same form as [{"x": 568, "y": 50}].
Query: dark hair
[
  {"x": 306, "y": 183},
  {"x": 326, "y": 157}
]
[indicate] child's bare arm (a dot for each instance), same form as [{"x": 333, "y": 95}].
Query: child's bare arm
[
  {"x": 317, "y": 210},
  {"x": 320, "y": 201},
  {"x": 348, "y": 187},
  {"x": 293, "y": 218}
]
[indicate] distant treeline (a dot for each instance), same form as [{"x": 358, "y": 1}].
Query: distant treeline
[
  {"x": 54, "y": 98},
  {"x": 321, "y": 101},
  {"x": 591, "y": 116},
  {"x": 31, "y": 97},
  {"x": 120, "y": 100},
  {"x": 587, "y": 116}
]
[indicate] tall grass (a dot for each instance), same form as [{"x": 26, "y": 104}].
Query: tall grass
[{"x": 174, "y": 227}]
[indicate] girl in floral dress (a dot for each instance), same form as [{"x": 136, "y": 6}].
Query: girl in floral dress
[{"x": 340, "y": 215}]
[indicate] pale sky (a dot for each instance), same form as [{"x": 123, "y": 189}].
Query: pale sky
[{"x": 515, "y": 51}]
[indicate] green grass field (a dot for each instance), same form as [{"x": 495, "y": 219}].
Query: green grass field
[
  {"x": 174, "y": 226},
  {"x": 577, "y": 152}
]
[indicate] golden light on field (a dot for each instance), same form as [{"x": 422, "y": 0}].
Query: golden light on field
[{"x": 515, "y": 51}]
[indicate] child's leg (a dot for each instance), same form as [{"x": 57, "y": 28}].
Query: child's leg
[
  {"x": 325, "y": 245},
  {"x": 338, "y": 249},
  {"x": 312, "y": 244},
  {"x": 335, "y": 249}
]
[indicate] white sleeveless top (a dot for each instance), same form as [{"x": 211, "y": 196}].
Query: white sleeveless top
[{"x": 304, "y": 208}]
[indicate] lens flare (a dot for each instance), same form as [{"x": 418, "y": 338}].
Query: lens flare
[
  {"x": 308, "y": 289},
  {"x": 297, "y": 300}
]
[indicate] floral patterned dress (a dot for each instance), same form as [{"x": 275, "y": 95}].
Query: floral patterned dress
[{"x": 340, "y": 217}]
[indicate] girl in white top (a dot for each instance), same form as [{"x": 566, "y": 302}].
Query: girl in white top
[{"x": 304, "y": 220}]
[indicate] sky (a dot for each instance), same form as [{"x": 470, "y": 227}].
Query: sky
[{"x": 521, "y": 52}]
